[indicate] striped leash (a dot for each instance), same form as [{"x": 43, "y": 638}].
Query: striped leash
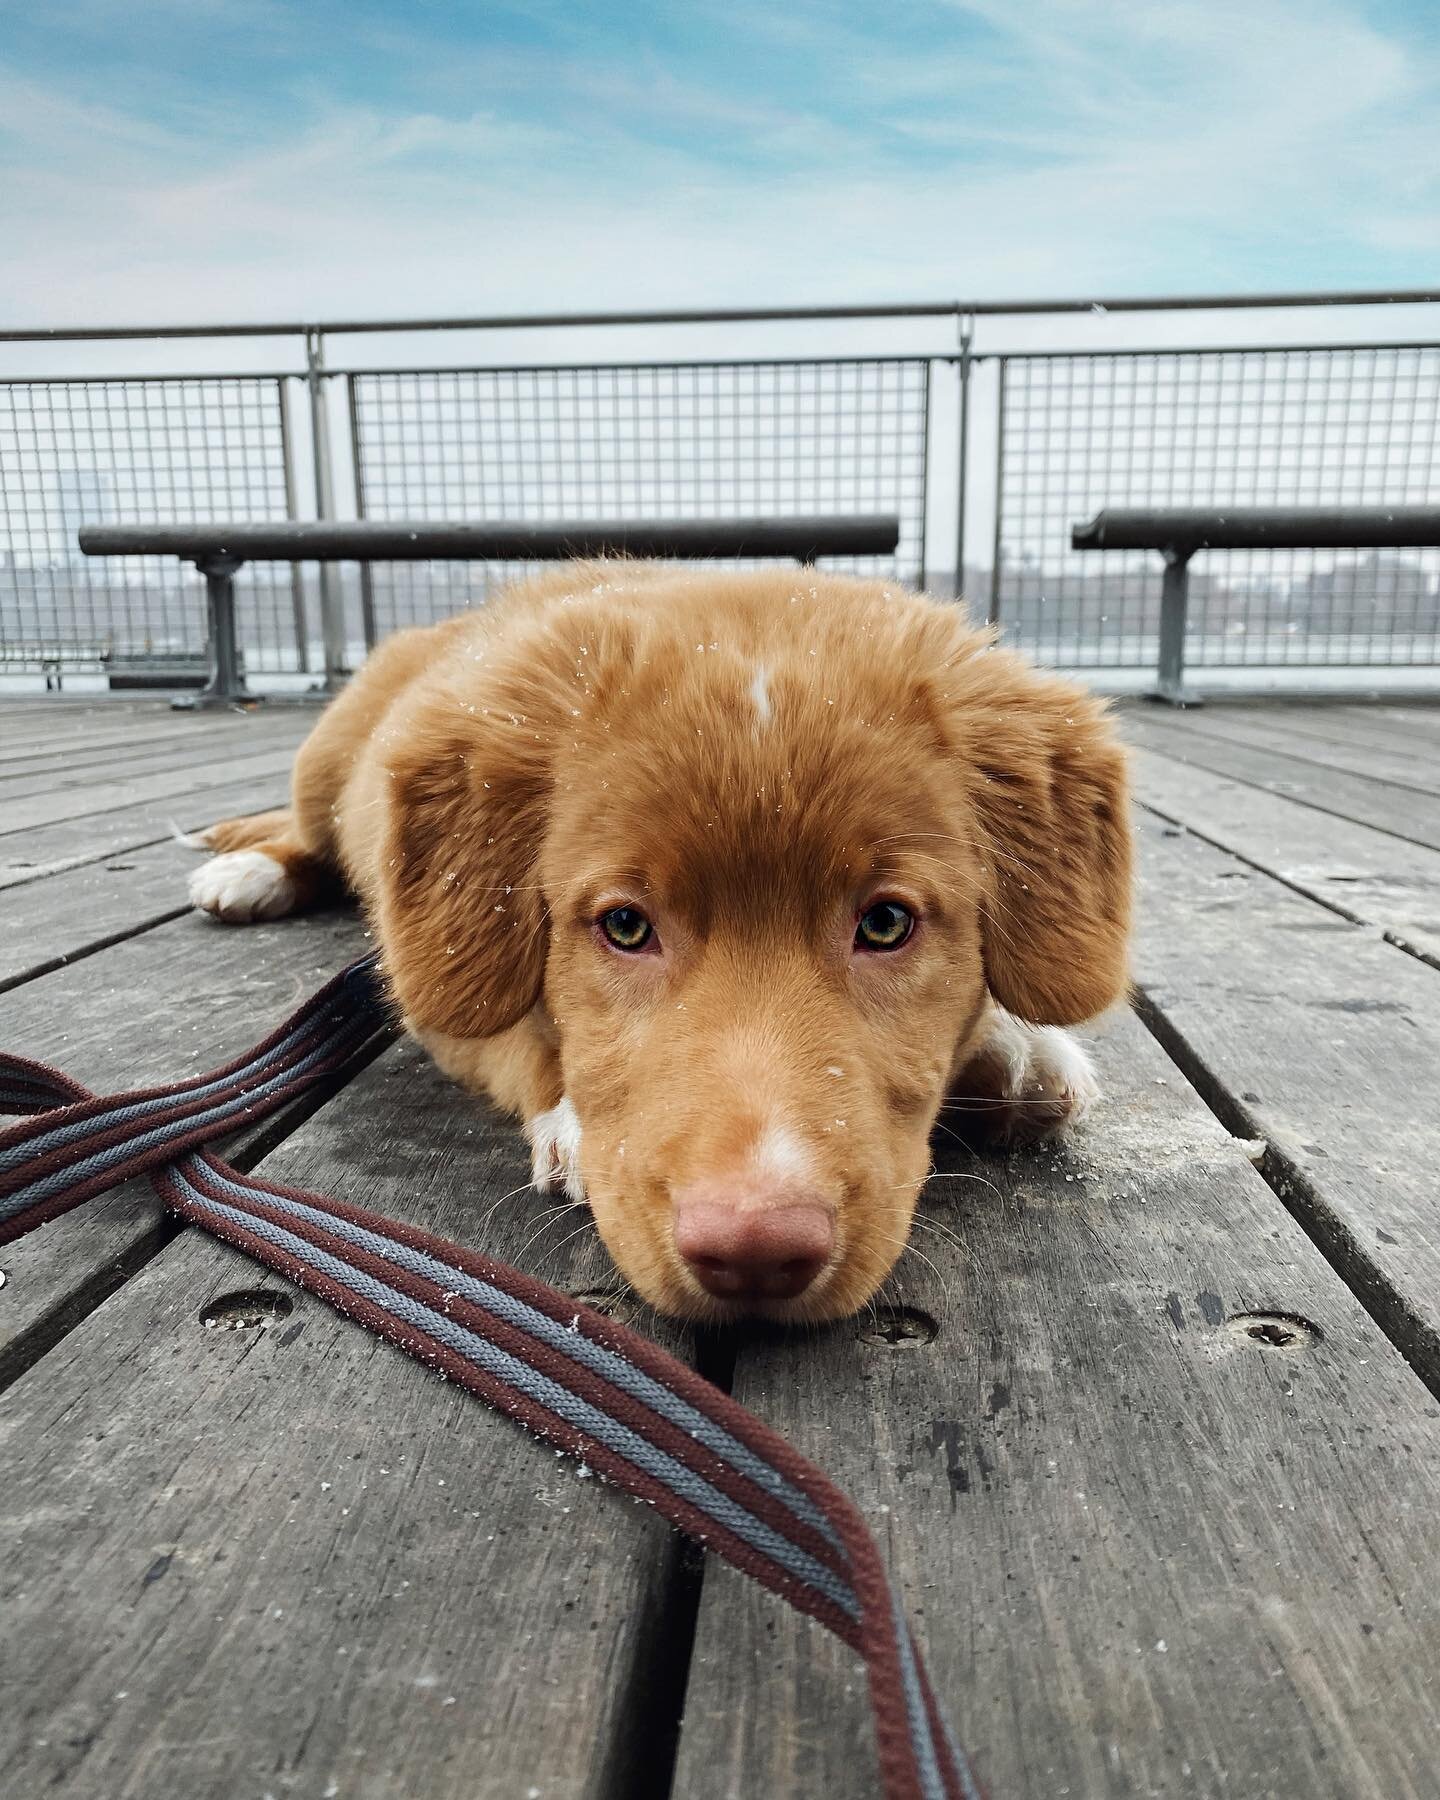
[{"x": 584, "y": 1383}]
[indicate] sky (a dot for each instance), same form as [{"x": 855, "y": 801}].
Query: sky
[{"x": 198, "y": 160}]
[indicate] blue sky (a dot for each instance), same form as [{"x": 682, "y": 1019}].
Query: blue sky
[{"x": 203, "y": 159}]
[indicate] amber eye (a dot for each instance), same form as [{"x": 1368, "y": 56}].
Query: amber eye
[
  {"x": 626, "y": 927},
  {"x": 884, "y": 926}
]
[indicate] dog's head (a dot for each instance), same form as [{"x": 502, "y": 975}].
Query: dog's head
[{"x": 762, "y": 848}]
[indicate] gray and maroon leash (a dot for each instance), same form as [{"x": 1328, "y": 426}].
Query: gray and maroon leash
[{"x": 640, "y": 1419}]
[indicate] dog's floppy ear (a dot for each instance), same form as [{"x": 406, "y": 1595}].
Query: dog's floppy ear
[
  {"x": 1049, "y": 792},
  {"x": 461, "y": 918}
]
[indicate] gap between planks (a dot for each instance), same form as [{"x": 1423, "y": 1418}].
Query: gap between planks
[
  {"x": 1295, "y": 884},
  {"x": 67, "y": 805},
  {"x": 1322, "y": 1040},
  {"x": 1334, "y": 793},
  {"x": 60, "y": 775},
  {"x": 160, "y": 744},
  {"x": 63, "y": 918},
  {"x": 1339, "y": 752},
  {"x": 47, "y": 850}
]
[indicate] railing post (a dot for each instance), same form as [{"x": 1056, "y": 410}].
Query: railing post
[
  {"x": 967, "y": 334},
  {"x": 292, "y": 511},
  {"x": 925, "y": 480},
  {"x": 993, "y": 612},
  {"x": 357, "y": 467},
  {"x": 332, "y": 601},
  {"x": 1174, "y": 606}
]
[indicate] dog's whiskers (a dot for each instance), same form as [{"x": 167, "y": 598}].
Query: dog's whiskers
[
  {"x": 906, "y": 1247},
  {"x": 944, "y": 1232},
  {"x": 541, "y": 1228},
  {"x": 523, "y": 1188},
  {"x": 555, "y": 1249}
]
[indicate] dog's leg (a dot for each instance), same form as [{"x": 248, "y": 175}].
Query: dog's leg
[
  {"x": 519, "y": 1069},
  {"x": 276, "y": 863},
  {"x": 555, "y": 1150},
  {"x": 1023, "y": 1081},
  {"x": 261, "y": 871}
]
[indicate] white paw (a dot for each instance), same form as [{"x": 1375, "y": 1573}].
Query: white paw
[
  {"x": 243, "y": 885},
  {"x": 555, "y": 1151},
  {"x": 1059, "y": 1074},
  {"x": 1025, "y": 1081}
]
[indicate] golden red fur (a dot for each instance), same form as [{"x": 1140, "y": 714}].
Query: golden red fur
[{"x": 749, "y": 760}]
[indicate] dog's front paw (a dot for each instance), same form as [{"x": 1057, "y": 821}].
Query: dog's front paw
[
  {"x": 1026, "y": 1081},
  {"x": 555, "y": 1151},
  {"x": 1059, "y": 1085},
  {"x": 241, "y": 886}
]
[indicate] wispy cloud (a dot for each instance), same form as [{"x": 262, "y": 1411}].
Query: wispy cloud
[{"x": 366, "y": 163}]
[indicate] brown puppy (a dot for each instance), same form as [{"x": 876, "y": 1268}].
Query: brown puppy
[{"x": 721, "y": 882}]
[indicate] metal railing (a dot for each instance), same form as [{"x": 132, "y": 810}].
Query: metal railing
[
  {"x": 683, "y": 440},
  {"x": 182, "y": 448},
  {"x": 1007, "y": 446},
  {"x": 1297, "y": 425}
]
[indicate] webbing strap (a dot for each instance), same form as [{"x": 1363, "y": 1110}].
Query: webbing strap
[{"x": 639, "y": 1418}]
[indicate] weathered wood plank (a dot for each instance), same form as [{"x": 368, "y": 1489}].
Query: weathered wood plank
[
  {"x": 1322, "y": 1038},
  {"x": 1369, "y": 876},
  {"x": 126, "y": 730},
  {"x": 1405, "y": 814},
  {"x": 66, "y": 917},
  {"x": 1364, "y": 725},
  {"x": 126, "y": 727},
  {"x": 1321, "y": 744},
  {"x": 102, "y": 797},
  {"x": 186, "y": 997},
  {"x": 1412, "y": 721},
  {"x": 40, "y": 725},
  {"x": 48, "y": 850},
  {"x": 56, "y": 770},
  {"x": 1148, "y": 1553},
  {"x": 291, "y": 1560}
]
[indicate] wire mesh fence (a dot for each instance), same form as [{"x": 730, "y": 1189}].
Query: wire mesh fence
[
  {"x": 1068, "y": 433},
  {"x": 1355, "y": 425},
  {"x": 172, "y": 450},
  {"x": 672, "y": 440}
]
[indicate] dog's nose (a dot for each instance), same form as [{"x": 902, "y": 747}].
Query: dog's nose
[{"x": 753, "y": 1253}]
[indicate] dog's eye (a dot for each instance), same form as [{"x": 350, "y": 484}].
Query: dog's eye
[
  {"x": 884, "y": 926},
  {"x": 626, "y": 927}
]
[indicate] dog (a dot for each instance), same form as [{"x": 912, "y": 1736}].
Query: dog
[{"x": 722, "y": 882}]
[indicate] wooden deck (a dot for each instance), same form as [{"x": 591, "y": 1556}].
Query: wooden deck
[{"x": 1163, "y": 1489}]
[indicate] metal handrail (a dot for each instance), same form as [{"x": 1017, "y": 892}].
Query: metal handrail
[
  {"x": 1182, "y": 530},
  {"x": 903, "y": 309},
  {"x": 219, "y": 551},
  {"x": 371, "y": 540}
]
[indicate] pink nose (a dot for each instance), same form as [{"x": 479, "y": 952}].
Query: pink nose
[{"x": 758, "y": 1253}]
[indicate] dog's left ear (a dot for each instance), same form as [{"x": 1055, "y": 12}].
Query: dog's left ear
[{"x": 1049, "y": 792}]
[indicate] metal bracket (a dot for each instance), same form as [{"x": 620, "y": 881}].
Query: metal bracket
[
  {"x": 226, "y": 685},
  {"x": 1174, "y": 609}
]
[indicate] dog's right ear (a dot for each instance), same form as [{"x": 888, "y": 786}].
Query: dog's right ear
[{"x": 462, "y": 922}]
